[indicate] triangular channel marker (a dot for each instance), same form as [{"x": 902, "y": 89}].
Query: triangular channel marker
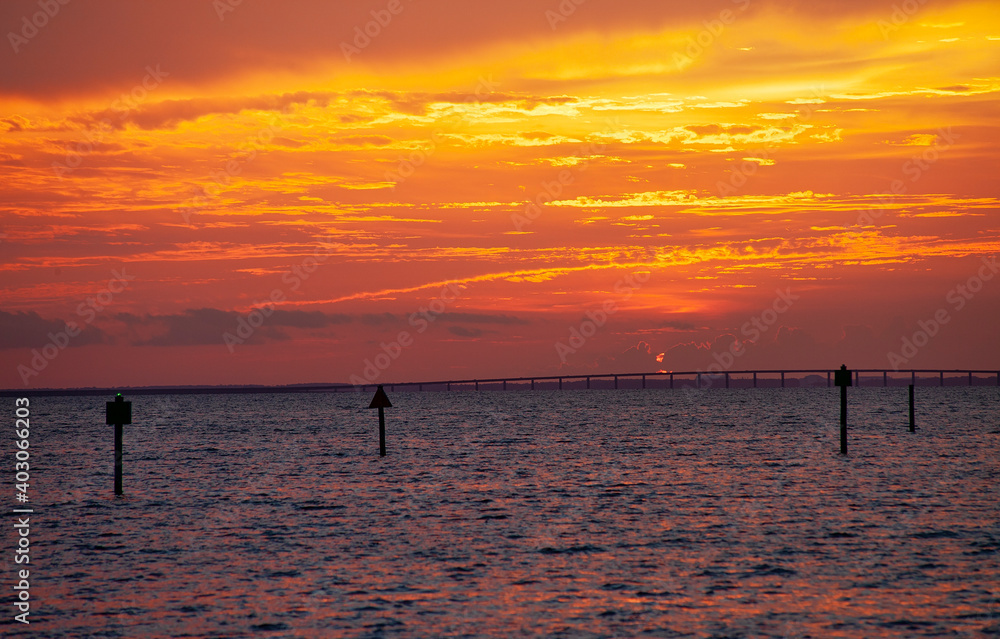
[{"x": 381, "y": 402}]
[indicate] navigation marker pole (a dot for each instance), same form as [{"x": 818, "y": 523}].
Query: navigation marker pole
[
  {"x": 381, "y": 402},
  {"x": 842, "y": 378},
  {"x": 913, "y": 421},
  {"x": 119, "y": 413}
]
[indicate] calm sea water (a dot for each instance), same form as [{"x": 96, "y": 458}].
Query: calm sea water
[{"x": 564, "y": 514}]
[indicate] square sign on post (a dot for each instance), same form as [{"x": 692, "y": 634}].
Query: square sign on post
[
  {"x": 842, "y": 377},
  {"x": 119, "y": 411}
]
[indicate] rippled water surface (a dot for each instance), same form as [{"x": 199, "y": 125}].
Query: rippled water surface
[{"x": 725, "y": 513}]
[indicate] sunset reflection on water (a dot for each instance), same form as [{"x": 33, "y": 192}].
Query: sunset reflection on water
[{"x": 598, "y": 513}]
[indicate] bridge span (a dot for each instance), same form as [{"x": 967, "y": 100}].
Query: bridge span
[{"x": 699, "y": 380}]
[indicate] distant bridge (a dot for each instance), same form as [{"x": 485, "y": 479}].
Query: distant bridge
[
  {"x": 701, "y": 380},
  {"x": 668, "y": 380}
]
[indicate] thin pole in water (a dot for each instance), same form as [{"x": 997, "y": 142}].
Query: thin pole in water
[
  {"x": 913, "y": 421},
  {"x": 843, "y": 420},
  {"x": 118, "y": 459},
  {"x": 842, "y": 378},
  {"x": 381, "y": 432}
]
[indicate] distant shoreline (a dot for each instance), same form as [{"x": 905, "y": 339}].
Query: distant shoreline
[{"x": 174, "y": 390}]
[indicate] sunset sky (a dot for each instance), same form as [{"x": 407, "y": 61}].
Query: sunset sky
[{"x": 506, "y": 188}]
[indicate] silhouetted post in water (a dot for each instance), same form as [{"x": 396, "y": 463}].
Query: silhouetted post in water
[
  {"x": 381, "y": 402},
  {"x": 119, "y": 413},
  {"x": 913, "y": 421},
  {"x": 842, "y": 378}
]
